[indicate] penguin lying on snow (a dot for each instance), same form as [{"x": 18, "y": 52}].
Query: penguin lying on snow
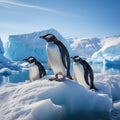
[
  {"x": 83, "y": 73},
  {"x": 58, "y": 57},
  {"x": 36, "y": 69}
]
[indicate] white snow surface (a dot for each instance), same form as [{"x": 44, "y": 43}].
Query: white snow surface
[{"x": 44, "y": 99}]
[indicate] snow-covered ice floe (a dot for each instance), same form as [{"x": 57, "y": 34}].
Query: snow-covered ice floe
[{"x": 44, "y": 99}]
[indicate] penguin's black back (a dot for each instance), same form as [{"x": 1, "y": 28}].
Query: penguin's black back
[
  {"x": 87, "y": 66},
  {"x": 42, "y": 71}
]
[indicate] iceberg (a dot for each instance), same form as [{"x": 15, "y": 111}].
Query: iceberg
[
  {"x": 1, "y": 47},
  {"x": 22, "y": 46},
  {"x": 109, "y": 52},
  {"x": 4, "y": 62},
  {"x": 5, "y": 71},
  {"x": 98, "y": 50},
  {"x": 84, "y": 47},
  {"x": 104, "y": 50}
]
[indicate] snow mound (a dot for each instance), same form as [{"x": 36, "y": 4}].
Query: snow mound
[
  {"x": 108, "y": 84},
  {"x": 45, "y": 99},
  {"x": 21, "y": 46}
]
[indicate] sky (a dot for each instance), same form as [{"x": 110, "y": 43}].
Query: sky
[{"x": 79, "y": 18}]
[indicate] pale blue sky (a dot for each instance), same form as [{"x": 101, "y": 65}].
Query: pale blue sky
[{"x": 80, "y": 18}]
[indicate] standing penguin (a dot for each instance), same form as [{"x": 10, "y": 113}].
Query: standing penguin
[
  {"x": 83, "y": 73},
  {"x": 36, "y": 70},
  {"x": 58, "y": 57}
]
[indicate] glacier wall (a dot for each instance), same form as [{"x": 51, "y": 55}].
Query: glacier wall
[{"x": 19, "y": 47}]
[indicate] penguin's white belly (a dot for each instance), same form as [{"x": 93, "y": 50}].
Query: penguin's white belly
[
  {"x": 79, "y": 74},
  {"x": 54, "y": 58},
  {"x": 33, "y": 73}
]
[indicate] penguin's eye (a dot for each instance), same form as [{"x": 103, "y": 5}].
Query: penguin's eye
[
  {"x": 77, "y": 58},
  {"x": 31, "y": 59},
  {"x": 49, "y": 36}
]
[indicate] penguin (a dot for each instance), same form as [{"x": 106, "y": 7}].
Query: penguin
[
  {"x": 58, "y": 57},
  {"x": 83, "y": 72},
  {"x": 36, "y": 69}
]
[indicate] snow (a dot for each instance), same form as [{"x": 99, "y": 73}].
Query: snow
[{"x": 44, "y": 99}]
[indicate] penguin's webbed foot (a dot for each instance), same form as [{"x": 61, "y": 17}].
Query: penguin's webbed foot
[
  {"x": 53, "y": 78},
  {"x": 58, "y": 77}
]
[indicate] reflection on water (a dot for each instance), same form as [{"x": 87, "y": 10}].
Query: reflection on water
[
  {"x": 15, "y": 77},
  {"x": 101, "y": 68},
  {"x": 83, "y": 115}
]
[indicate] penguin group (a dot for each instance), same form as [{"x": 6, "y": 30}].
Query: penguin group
[{"x": 59, "y": 62}]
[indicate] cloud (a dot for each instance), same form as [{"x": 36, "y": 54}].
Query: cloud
[{"x": 45, "y": 9}]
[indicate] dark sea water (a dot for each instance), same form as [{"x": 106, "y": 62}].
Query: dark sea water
[
  {"x": 23, "y": 75},
  {"x": 115, "y": 114}
]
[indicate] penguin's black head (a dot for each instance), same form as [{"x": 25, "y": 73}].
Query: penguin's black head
[
  {"x": 76, "y": 59},
  {"x": 30, "y": 59},
  {"x": 49, "y": 37}
]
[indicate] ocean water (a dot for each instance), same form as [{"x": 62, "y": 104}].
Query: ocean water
[{"x": 23, "y": 75}]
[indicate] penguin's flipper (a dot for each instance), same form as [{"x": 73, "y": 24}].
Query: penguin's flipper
[
  {"x": 41, "y": 68},
  {"x": 86, "y": 76},
  {"x": 64, "y": 52}
]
